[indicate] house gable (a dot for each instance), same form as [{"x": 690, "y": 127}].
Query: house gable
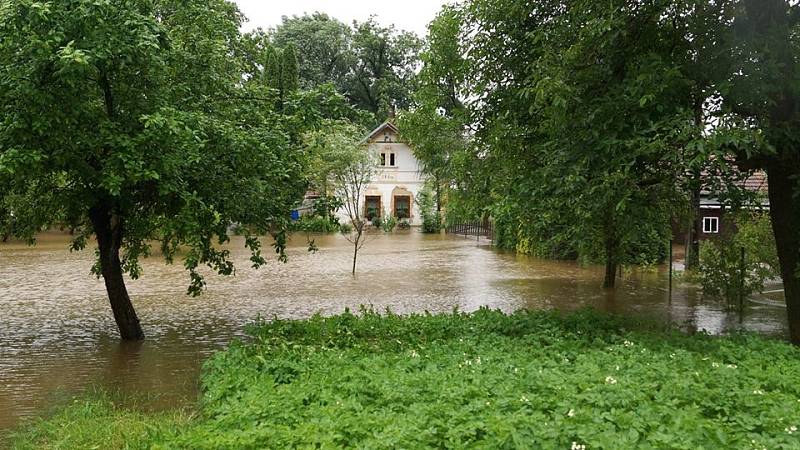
[{"x": 386, "y": 132}]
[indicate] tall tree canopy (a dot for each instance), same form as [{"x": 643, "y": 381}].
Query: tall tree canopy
[
  {"x": 372, "y": 65},
  {"x": 384, "y": 69},
  {"x": 324, "y": 47},
  {"x": 436, "y": 123},
  {"x": 128, "y": 121}
]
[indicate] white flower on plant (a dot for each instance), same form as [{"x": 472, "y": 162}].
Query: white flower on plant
[
  {"x": 731, "y": 366},
  {"x": 571, "y": 413},
  {"x": 576, "y": 446},
  {"x": 672, "y": 355},
  {"x": 758, "y": 392},
  {"x": 791, "y": 430},
  {"x": 611, "y": 380},
  {"x": 617, "y": 368},
  {"x": 628, "y": 344},
  {"x": 414, "y": 354},
  {"x": 714, "y": 365},
  {"x": 524, "y": 399}
]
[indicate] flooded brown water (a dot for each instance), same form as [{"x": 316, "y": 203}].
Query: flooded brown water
[{"x": 58, "y": 338}]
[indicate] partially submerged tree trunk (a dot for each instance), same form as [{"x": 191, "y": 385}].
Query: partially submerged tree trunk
[
  {"x": 108, "y": 228},
  {"x": 610, "y": 279},
  {"x": 612, "y": 260},
  {"x": 785, "y": 214},
  {"x": 357, "y": 244},
  {"x": 355, "y": 257}
]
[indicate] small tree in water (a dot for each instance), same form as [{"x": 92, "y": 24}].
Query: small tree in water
[{"x": 347, "y": 166}]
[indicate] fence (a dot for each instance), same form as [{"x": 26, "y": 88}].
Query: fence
[{"x": 477, "y": 229}]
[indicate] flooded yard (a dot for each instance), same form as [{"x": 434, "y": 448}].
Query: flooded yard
[{"x": 57, "y": 335}]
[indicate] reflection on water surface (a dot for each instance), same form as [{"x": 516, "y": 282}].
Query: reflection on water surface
[{"x": 57, "y": 335}]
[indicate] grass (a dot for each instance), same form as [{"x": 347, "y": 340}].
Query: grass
[
  {"x": 96, "y": 422},
  {"x": 483, "y": 380}
]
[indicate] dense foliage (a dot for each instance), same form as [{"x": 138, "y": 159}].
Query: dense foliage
[
  {"x": 589, "y": 126},
  {"x": 316, "y": 224},
  {"x": 372, "y": 65},
  {"x": 485, "y": 380}
]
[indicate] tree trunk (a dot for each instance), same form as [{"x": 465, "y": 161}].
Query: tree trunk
[
  {"x": 611, "y": 262},
  {"x": 108, "y": 229},
  {"x": 610, "y": 279},
  {"x": 785, "y": 214},
  {"x": 359, "y": 235},
  {"x": 355, "y": 256}
]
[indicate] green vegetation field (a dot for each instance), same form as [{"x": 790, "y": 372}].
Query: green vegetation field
[{"x": 482, "y": 380}]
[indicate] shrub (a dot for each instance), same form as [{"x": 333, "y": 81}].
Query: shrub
[
  {"x": 316, "y": 224},
  {"x": 389, "y": 223},
  {"x": 431, "y": 219},
  {"x": 720, "y": 271},
  {"x": 345, "y": 228}
]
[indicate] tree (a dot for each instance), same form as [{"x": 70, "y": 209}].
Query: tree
[
  {"x": 344, "y": 162},
  {"x": 289, "y": 72},
  {"x": 385, "y": 64},
  {"x": 272, "y": 69},
  {"x": 765, "y": 98},
  {"x": 435, "y": 125},
  {"x": 581, "y": 112},
  {"x": 372, "y": 65},
  {"x": 128, "y": 121},
  {"x": 323, "y": 48}
]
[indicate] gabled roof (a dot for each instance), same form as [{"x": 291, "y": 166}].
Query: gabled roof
[{"x": 380, "y": 128}]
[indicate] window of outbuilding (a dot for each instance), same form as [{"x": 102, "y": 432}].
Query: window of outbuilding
[{"x": 710, "y": 225}]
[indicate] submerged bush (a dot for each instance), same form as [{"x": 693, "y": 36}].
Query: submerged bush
[
  {"x": 722, "y": 273},
  {"x": 316, "y": 224},
  {"x": 431, "y": 218},
  {"x": 490, "y": 380},
  {"x": 389, "y": 224}
]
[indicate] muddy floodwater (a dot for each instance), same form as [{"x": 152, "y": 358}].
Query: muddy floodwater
[{"x": 58, "y": 338}]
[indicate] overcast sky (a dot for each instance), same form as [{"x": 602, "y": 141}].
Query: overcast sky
[{"x": 410, "y": 15}]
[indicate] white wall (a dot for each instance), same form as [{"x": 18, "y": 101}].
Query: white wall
[{"x": 406, "y": 175}]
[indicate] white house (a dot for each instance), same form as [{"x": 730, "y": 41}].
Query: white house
[{"x": 398, "y": 180}]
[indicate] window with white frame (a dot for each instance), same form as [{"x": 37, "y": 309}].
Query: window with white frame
[
  {"x": 388, "y": 160},
  {"x": 710, "y": 225}
]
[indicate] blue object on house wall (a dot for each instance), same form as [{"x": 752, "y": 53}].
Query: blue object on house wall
[{"x": 295, "y": 214}]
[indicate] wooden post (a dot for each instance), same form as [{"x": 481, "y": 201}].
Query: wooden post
[
  {"x": 670, "y": 271},
  {"x": 741, "y": 286}
]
